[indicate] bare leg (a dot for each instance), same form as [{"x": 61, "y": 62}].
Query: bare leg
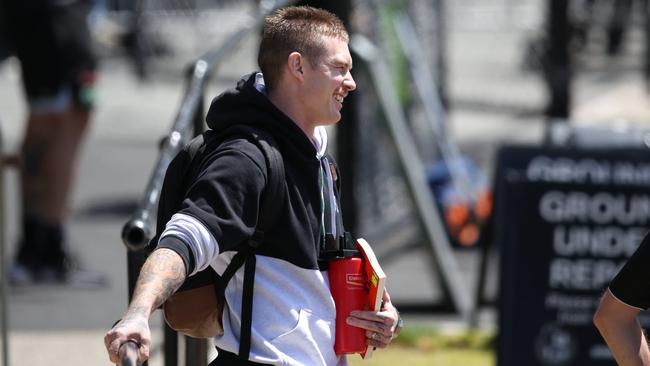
[
  {"x": 60, "y": 164},
  {"x": 50, "y": 154}
]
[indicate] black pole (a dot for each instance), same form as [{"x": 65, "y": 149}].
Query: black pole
[
  {"x": 196, "y": 350},
  {"x": 617, "y": 27},
  {"x": 558, "y": 66},
  {"x": 646, "y": 19},
  {"x": 486, "y": 243},
  {"x": 440, "y": 51},
  {"x": 170, "y": 346}
]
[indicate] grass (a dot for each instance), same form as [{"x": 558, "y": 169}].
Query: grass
[{"x": 426, "y": 346}]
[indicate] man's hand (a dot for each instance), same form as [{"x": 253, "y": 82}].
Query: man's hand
[
  {"x": 161, "y": 275},
  {"x": 133, "y": 327},
  {"x": 381, "y": 327}
]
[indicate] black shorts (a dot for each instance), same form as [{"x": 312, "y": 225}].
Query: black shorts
[{"x": 53, "y": 44}]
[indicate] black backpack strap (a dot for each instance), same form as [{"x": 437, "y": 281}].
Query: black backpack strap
[
  {"x": 272, "y": 198},
  {"x": 266, "y": 218},
  {"x": 247, "y": 307},
  {"x": 194, "y": 145},
  {"x": 274, "y": 190}
]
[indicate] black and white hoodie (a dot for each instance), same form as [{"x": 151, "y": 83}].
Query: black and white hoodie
[{"x": 293, "y": 311}]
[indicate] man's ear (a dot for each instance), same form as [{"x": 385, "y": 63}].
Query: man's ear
[{"x": 295, "y": 63}]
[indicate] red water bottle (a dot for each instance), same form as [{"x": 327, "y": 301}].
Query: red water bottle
[{"x": 348, "y": 287}]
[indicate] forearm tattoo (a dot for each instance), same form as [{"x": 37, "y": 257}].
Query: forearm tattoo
[{"x": 161, "y": 275}]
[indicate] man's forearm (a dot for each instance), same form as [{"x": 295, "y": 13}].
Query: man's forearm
[
  {"x": 628, "y": 344},
  {"x": 161, "y": 275},
  {"x": 618, "y": 324}
]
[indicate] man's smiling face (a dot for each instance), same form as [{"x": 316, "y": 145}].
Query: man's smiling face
[{"x": 327, "y": 82}]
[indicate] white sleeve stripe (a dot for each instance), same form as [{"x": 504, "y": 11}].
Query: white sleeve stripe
[{"x": 191, "y": 231}]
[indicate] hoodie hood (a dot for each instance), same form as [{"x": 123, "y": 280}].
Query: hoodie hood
[{"x": 247, "y": 105}]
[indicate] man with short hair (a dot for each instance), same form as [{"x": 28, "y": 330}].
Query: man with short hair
[{"x": 305, "y": 78}]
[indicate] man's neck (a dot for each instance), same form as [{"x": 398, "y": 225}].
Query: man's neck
[{"x": 288, "y": 107}]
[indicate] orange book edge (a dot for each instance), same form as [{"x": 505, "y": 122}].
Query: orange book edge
[{"x": 376, "y": 281}]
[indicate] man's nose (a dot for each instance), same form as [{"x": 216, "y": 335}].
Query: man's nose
[{"x": 349, "y": 83}]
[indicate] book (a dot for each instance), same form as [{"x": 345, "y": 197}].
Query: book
[{"x": 376, "y": 281}]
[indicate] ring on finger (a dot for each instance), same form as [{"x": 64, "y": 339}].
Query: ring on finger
[{"x": 375, "y": 336}]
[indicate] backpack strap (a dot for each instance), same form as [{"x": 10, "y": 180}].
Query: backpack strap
[
  {"x": 272, "y": 198},
  {"x": 274, "y": 189},
  {"x": 266, "y": 218},
  {"x": 194, "y": 145}
]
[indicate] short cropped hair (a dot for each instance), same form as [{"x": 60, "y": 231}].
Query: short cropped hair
[{"x": 295, "y": 29}]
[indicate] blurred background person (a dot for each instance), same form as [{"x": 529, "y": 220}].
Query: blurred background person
[{"x": 51, "y": 40}]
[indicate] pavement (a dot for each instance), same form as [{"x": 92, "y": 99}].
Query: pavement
[{"x": 494, "y": 102}]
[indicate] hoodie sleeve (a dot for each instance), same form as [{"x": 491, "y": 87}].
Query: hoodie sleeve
[
  {"x": 630, "y": 285},
  {"x": 225, "y": 197}
]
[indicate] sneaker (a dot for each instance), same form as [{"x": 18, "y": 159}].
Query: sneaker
[
  {"x": 70, "y": 275},
  {"x": 20, "y": 275},
  {"x": 43, "y": 260}
]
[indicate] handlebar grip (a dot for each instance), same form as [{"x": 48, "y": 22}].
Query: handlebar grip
[{"x": 129, "y": 353}]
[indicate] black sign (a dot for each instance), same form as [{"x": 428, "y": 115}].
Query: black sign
[{"x": 565, "y": 222}]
